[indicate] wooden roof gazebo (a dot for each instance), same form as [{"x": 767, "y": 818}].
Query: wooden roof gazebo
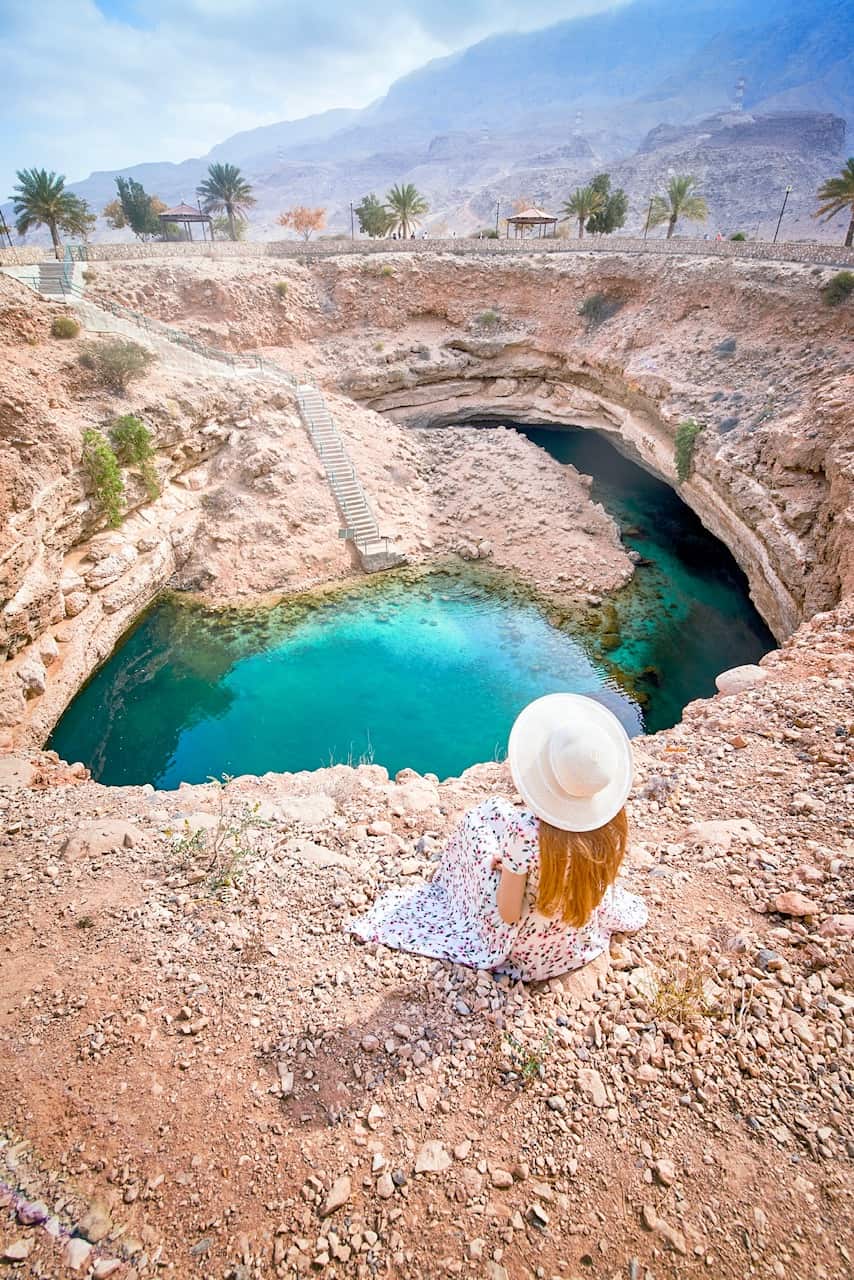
[
  {"x": 186, "y": 214},
  {"x": 530, "y": 220}
]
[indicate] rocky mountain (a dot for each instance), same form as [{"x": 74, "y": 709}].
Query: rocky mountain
[{"x": 750, "y": 101}]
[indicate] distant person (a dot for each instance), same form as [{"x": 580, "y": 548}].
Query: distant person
[{"x": 530, "y": 891}]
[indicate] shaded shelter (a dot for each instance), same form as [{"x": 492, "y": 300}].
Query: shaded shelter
[
  {"x": 185, "y": 214},
  {"x": 532, "y": 220}
]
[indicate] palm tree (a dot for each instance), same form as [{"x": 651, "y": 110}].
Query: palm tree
[
  {"x": 681, "y": 201},
  {"x": 582, "y": 204},
  {"x": 40, "y": 200},
  {"x": 406, "y": 207},
  {"x": 838, "y": 195},
  {"x": 225, "y": 188}
]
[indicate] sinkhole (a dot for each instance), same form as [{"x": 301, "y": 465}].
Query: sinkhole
[{"x": 421, "y": 670}]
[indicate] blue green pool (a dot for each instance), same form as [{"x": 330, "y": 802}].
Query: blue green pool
[{"x": 423, "y": 672}]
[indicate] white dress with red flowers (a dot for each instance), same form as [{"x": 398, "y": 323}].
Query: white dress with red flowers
[{"x": 456, "y": 916}]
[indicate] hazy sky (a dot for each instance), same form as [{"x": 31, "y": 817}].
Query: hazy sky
[{"x": 101, "y": 84}]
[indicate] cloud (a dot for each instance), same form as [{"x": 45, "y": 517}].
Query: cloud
[{"x": 105, "y": 85}]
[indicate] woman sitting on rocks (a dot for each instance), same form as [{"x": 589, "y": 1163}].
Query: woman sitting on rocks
[{"x": 530, "y": 892}]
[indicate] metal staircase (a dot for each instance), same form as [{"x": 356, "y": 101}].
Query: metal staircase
[
  {"x": 360, "y": 524},
  {"x": 58, "y": 280},
  {"x": 53, "y": 280}
]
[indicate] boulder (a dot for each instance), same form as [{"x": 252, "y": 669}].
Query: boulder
[
  {"x": 100, "y": 837},
  {"x": 415, "y": 795},
  {"x": 839, "y": 926},
  {"x": 75, "y": 602},
  {"x": 795, "y": 904},
  {"x": 339, "y": 1194},
  {"x": 48, "y": 649},
  {"x": 724, "y": 832},
  {"x": 740, "y": 679},
  {"x": 308, "y": 811},
  {"x": 590, "y": 1082},
  {"x": 33, "y": 676},
  {"x": 432, "y": 1158},
  {"x": 110, "y": 568}
]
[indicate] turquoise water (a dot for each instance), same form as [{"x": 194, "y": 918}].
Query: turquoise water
[
  {"x": 687, "y": 614},
  {"x": 426, "y": 673},
  {"x": 428, "y": 676}
]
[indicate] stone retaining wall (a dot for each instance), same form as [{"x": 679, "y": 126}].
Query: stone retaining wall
[{"x": 829, "y": 255}]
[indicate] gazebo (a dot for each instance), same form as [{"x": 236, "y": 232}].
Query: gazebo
[
  {"x": 186, "y": 214},
  {"x": 532, "y": 218}
]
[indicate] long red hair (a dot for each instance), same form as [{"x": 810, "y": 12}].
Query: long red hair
[{"x": 576, "y": 867}]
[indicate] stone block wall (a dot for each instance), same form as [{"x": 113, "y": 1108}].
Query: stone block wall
[{"x": 823, "y": 254}]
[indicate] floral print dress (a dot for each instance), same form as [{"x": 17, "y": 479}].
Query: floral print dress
[{"x": 456, "y": 916}]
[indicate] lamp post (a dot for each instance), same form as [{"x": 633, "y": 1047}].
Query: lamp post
[
  {"x": 352, "y": 223},
  {"x": 497, "y": 211},
  {"x": 648, "y": 216},
  {"x": 782, "y": 211}
]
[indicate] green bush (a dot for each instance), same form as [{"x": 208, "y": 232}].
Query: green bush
[
  {"x": 132, "y": 441},
  {"x": 281, "y": 287},
  {"x": 64, "y": 327},
  {"x": 489, "y": 319},
  {"x": 598, "y": 308},
  {"x": 117, "y": 363},
  {"x": 738, "y": 235},
  {"x": 686, "y": 439},
  {"x": 387, "y": 271},
  {"x": 102, "y": 468},
  {"x": 89, "y": 275},
  {"x": 838, "y": 288}
]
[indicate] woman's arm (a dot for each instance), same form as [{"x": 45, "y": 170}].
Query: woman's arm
[{"x": 511, "y": 895}]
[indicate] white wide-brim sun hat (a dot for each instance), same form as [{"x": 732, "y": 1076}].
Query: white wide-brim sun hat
[{"x": 571, "y": 761}]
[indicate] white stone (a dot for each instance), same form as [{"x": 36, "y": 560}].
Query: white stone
[
  {"x": 33, "y": 676},
  {"x": 740, "y": 679},
  {"x": 77, "y": 1253},
  {"x": 432, "y": 1158}
]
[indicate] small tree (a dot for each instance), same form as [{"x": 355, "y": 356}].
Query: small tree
[
  {"x": 114, "y": 215},
  {"x": 41, "y": 200},
  {"x": 837, "y": 196},
  {"x": 583, "y": 204},
  {"x": 686, "y": 440},
  {"x": 222, "y": 228},
  {"x": 137, "y": 209},
  {"x": 375, "y": 220},
  {"x": 116, "y": 363},
  {"x": 302, "y": 220},
  {"x": 681, "y": 201},
  {"x": 611, "y": 215},
  {"x": 133, "y": 444},
  {"x": 225, "y": 190},
  {"x": 64, "y": 327},
  {"x": 838, "y": 288},
  {"x": 102, "y": 468}
]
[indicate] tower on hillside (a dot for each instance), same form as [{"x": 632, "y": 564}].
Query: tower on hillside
[
  {"x": 579, "y": 117},
  {"x": 738, "y": 97}
]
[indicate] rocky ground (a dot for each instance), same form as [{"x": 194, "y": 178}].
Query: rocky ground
[
  {"x": 204, "y": 1075},
  {"x": 629, "y": 345}
]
